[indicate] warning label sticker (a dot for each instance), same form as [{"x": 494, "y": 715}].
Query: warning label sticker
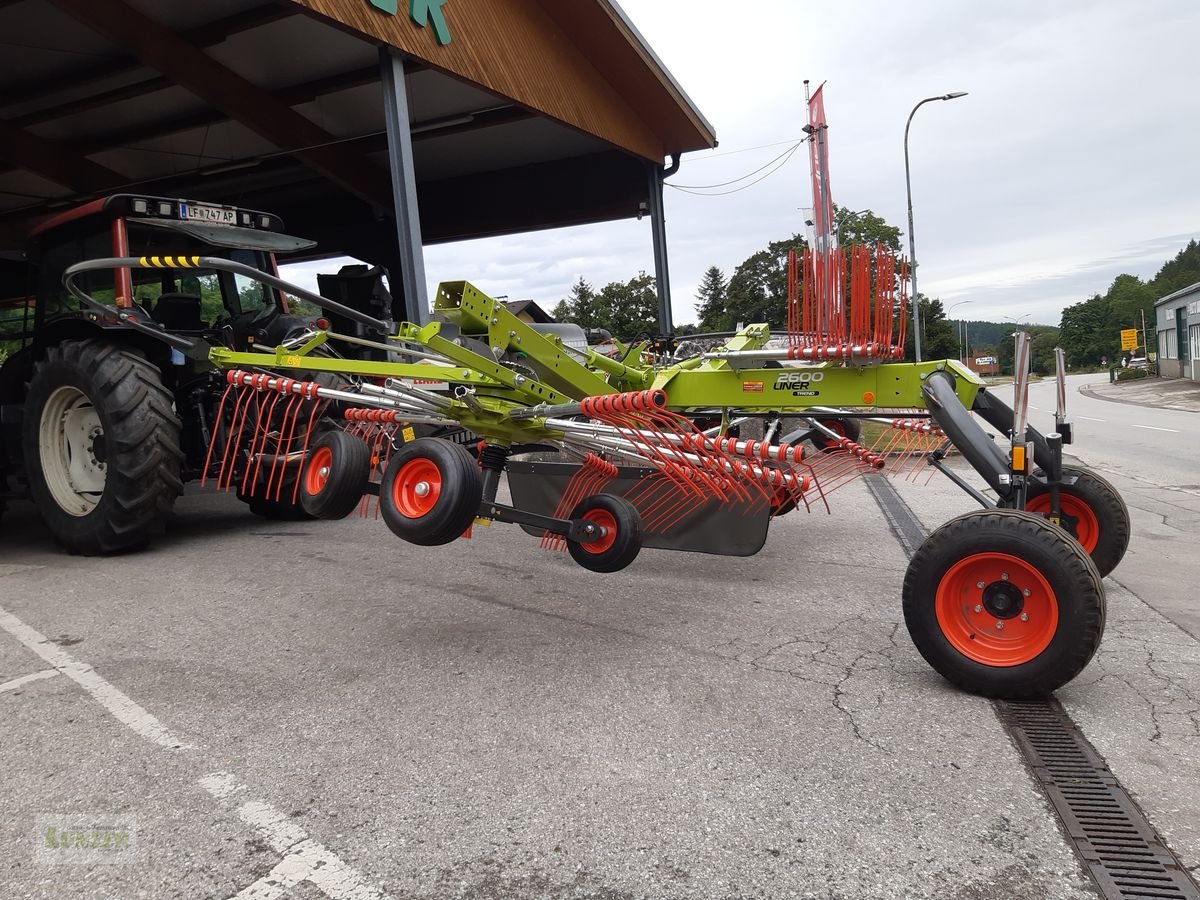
[{"x": 752, "y": 387}]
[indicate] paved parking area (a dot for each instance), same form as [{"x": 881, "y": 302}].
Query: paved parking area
[{"x": 301, "y": 710}]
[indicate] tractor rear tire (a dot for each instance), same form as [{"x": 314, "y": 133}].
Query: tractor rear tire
[
  {"x": 1097, "y": 517},
  {"x": 101, "y": 445},
  {"x": 334, "y": 476},
  {"x": 431, "y": 492},
  {"x": 622, "y": 540},
  {"x": 1003, "y": 604}
]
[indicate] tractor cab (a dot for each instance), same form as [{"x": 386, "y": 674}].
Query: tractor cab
[{"x": 217, "y": 307}]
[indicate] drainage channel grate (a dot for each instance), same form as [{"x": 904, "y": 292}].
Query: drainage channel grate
[
  {"x": 1113, "y": 837},
  {"x": 1111, "y": 834}
]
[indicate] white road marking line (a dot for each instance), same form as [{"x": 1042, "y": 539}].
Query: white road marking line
[
  {"x": 221, "y": 785},
  {"x": 288, "y": 873},
  {"x": 1090, "y": 419},
  {"x": 116, "y": 702},
  {"x": 303, "y": 858},
  {"x": 25, "y": 679},
  {"x": 1155, "y": 428}
]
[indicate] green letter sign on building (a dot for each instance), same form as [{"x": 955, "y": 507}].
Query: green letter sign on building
[{"x": 423, "y": 12}]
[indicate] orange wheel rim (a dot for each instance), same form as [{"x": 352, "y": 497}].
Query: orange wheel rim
[
  {"x": 608, "y": 522},
  {"x": 316, "y": 476},
  {"x": 1087, "y": 523},
  {"x": 417, "y": 487},
  {"x": 996, "y": 609}
]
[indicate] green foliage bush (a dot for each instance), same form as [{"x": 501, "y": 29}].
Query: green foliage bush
[{"x": 1131, "y": 374}]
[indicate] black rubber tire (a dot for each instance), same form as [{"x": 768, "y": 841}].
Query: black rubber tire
[
  {"x": 628, "y": 539},
  {"x": 1069, "y": 571},
  {"x": 141, "y": 438},
  {"x": 338, "y": 493},
  {"x": 456, "y": 504},
  {"x": 1112, "y": 515},
  {"x": 850, "y": 428}
]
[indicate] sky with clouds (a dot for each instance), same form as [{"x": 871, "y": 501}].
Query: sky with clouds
[{"x": 1071, "y": 160}]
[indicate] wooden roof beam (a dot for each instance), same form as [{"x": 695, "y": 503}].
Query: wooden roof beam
[
  {"x": 207, "y": 35},
  {"x": 53, "y": 160},
  {"x": 271, "y": 118},
  {"x": 292, "y": 96}
]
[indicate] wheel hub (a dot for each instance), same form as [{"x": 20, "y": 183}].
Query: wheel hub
[
  {"x": 422, "y": 489},
  {"x": 1003, "y": 600},
  {"x": 73, "y": 451},
  {"x": 996, "y": 609},
  {"x": 99, "y": 447}
]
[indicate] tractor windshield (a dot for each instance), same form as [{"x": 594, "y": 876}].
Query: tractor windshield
[{"x": 222, "y": 295}]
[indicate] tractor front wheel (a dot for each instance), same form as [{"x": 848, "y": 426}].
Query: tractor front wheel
[
  {"x": 1003, "y": 604},
  {"x": 101, "y": 446},
  {"x": 431, "y": 492},
  {"x": 1092, "y": 512}
]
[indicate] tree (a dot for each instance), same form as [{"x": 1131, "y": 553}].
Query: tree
[
  {"x": 938, "y": 339},
  {"x": 580, "y": 307},
  {"x": 1178, "y": 273},
  {"x": 625, "y": 309},
  {"x": 758, "y": 287},
  {"x": 1041, "y": 350},
  {"x": 864, "y": 228},
  {"x": 711, "y": 299},
  {"x": 1083, "y": 330},
  {"x": 628, "y": 309}
]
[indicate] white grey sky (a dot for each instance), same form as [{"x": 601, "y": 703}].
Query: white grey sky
[{"x": 1072, "y": 159}]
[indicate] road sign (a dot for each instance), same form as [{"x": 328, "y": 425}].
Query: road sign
[{"x": 1129, "y": 339}]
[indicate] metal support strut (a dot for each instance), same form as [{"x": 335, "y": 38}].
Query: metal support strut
[
  {"x": 404, "y": 187},
  {"x": 658, "y": 226},
  {"x": 493, "y": 460}
]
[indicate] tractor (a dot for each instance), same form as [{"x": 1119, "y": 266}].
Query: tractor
[{"x": 104, "y": 417}]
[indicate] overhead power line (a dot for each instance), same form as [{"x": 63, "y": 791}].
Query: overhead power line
[{"x": 778, "y": 163}]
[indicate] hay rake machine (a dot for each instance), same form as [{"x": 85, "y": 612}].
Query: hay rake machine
[{"x": 1005, "y": 601}]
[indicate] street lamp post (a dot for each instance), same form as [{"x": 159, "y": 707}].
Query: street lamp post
[
  {"x": 960, "y": 326},
  {"x": 912, "y": 246}
]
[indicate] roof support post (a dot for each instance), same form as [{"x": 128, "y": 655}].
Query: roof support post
[
  {"x": 658, "y": 229},
  {"x": 404, "y": 188}
]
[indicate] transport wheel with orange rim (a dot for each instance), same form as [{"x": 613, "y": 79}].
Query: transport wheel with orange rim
[
  {"x": 620, "y": 537},
  {"x": 1003, "y": 604},
  {"x": 431, "y": 492},
  {"x": 847, "y": 428},
  {"x": 335, "y": 474},
  {"x": 1093, "y": 513}
]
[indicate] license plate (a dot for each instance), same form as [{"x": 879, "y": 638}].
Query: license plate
[{"x": 213, "y": 214}]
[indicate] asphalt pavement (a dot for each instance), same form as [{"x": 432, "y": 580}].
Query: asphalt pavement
[
  {"x": 304, "y": 710},
  {"x": 1152, "y": 456}
]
